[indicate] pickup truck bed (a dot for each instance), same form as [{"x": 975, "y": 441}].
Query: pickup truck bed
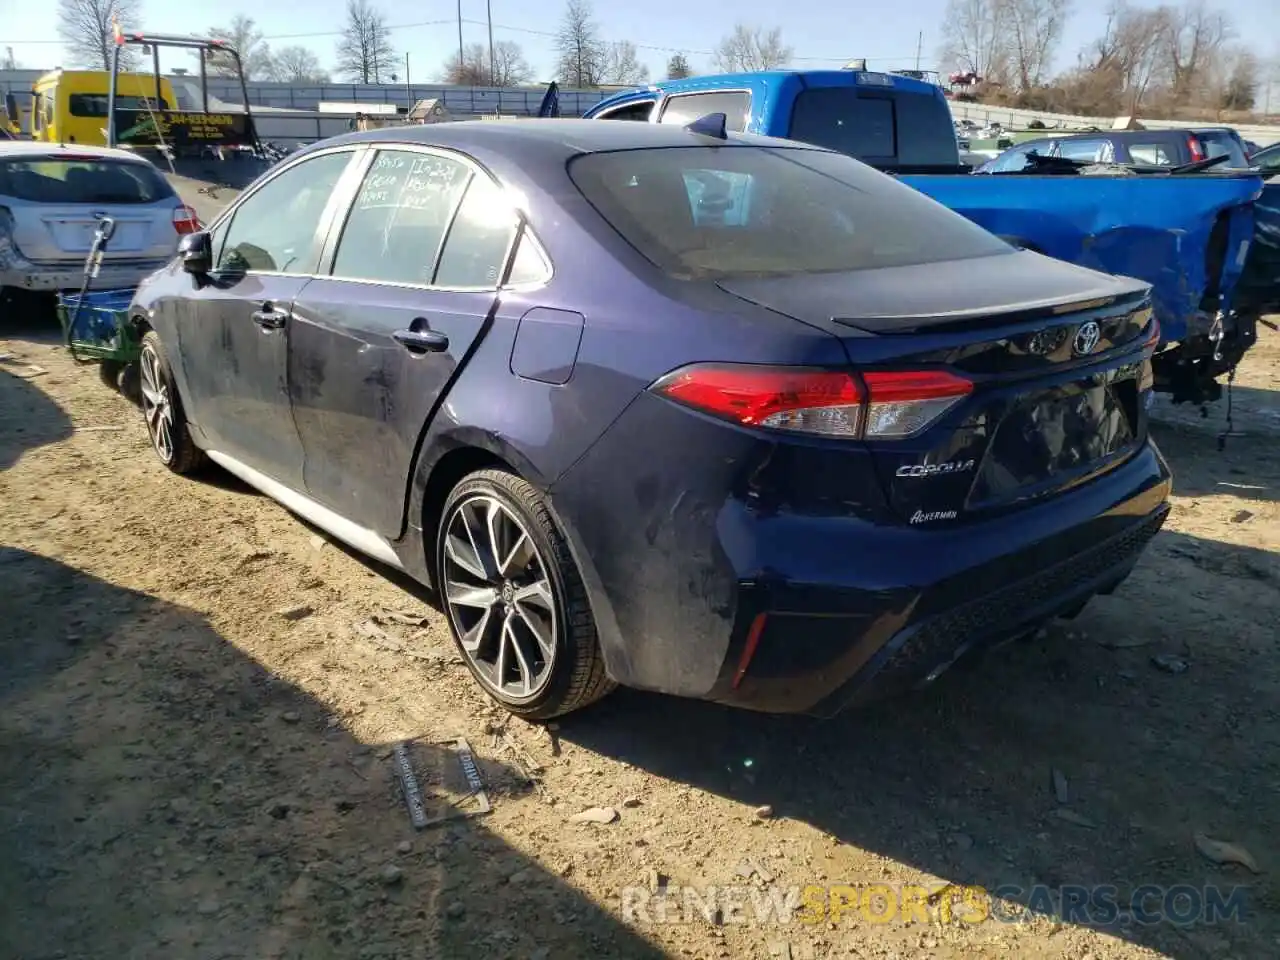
[{"x": 1190, "y": 236}]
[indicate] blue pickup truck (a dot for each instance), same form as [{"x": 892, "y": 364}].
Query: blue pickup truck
[{"x": 1189, "y": 233}]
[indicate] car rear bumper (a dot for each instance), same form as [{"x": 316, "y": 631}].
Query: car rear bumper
[
  {"x": 50, "y": 278},
  {"x": 703, "y": 594},
  {"x": 822, "y": 664}
]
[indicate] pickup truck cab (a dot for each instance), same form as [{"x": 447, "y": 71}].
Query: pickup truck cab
[{"x": 1188, "y": 235}]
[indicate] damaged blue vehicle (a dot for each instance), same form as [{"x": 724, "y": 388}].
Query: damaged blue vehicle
[{"x": 1195, "y": 233}]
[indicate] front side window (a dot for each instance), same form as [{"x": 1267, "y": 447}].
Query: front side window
[
  {"x": 274, "y": 229},
  {"x": 399, "y": 219},
  {"x": 95, "y": 104},
  {"x": 633, "y": 111},
  {"x": 687, "y": 107},
  {"x": 1019, "y": 158},
  {"x": 706, "y": 212}
]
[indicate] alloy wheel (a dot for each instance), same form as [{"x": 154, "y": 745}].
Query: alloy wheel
[
  {"x": 157, "y": 404},
  {"x": 500, "y": 598}
]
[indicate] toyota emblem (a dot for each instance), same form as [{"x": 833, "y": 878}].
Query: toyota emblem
[{"x": 1087, "y": 338}]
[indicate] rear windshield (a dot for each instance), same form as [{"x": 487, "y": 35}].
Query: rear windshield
[
  {"x": 754, "y": 211},
  {"x": 886, "y": 129},
  {"x": 1218, "y": 143},
  {"x": 82, "y": 181},
  {"x": 95, "y": 104}
]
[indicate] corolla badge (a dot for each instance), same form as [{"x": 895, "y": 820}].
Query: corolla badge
[
  {"x": 934, "y": 469},
  {"x": 1087, "y": 338}
]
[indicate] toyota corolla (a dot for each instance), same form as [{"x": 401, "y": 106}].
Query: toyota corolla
[{"x": 719, "y": 416}]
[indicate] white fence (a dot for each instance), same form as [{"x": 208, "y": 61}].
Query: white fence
[
  {"x": 522, "y": 101},
  {"x": 1018, "y": 120}
]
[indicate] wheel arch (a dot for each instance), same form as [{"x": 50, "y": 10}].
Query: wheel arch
[{"x": 445, "y": 460}]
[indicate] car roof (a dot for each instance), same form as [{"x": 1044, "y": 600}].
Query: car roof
[
  {"x": 543, "y": 139},
  {"x": 12, "y": 149}
]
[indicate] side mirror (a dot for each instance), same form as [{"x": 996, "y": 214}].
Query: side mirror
[
  {"x": 11, "y": 109},
  {"x": 196, "y": 252}
]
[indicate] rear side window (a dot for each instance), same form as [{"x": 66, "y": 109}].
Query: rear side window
[
  {"x": 400, "y": 216},
  {"x": 1153, "y": 154},
  {"x": 82, "y": 181},
  {"x": 688, "y": 107},
  {"x": 706, "y": 212},
  {"x": 882, "y": 128},
  {"x": 475, "y": 251}
]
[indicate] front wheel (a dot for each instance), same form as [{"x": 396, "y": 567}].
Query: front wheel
[
  {"x": 516, "y": 603},
  {"x": 162, "y": 409}
]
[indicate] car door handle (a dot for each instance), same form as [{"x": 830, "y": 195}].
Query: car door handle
[
  {"x": 269, "y": 318},
  {"x": 422, "y": 341}
]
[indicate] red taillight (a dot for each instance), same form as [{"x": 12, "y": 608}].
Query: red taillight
[
  {"x": 185, "y": 219},
  {"x": 1196, "y": 150},
  {"x": 1153, "y": 334},
  {"x": 828, "y": 403},
  {"x": 821, "y": 402}
]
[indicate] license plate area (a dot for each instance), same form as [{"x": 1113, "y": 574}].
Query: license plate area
[{"x": 1052, "y": 435}]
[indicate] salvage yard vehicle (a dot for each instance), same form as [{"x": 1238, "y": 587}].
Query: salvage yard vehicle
[
  {"x": 721, "y": 416},
  {"x": 70, "y": 106},
  {"x": 1187, "y": 236},
  {"x": 52, "y": 199},
  {"x": 1157, "y": 148}
]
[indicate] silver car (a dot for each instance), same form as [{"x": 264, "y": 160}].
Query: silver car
[{"x": 51, "y": 199}]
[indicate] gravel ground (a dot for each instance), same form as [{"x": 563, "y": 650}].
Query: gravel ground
[{"x": 196, "y": 723}]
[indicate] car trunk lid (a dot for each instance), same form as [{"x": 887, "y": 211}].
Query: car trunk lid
[{"x": 983, "y": 398}]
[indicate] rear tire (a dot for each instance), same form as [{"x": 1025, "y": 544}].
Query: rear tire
[
  {"x": 516, "y": 603},
  {"x": 162, "y": 411}
]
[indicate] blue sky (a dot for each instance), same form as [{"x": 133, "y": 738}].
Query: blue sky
[{"x": 822, "y": 33}]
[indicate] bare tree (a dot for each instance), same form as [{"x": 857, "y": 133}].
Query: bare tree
[
  {"x": 975, "y": 39},
  {"x": 243, "y": 35},
  {"x": 1034, "y": 29},
  {"x": 86, "y": 30},
  {"x": 1240, "y": 81},
  {"x": 622, "y": 64},
  {"x": 297, "y": 64},
  {"x": 471, "y": 71},
  {"x": 678, "y": 67},
  {"x": 365, "y": 53},
  {"x": 748, "y": 49},
  {"x": 509, "y": 67},
  {"x": 580, "y": 53},
  {"x": 1131, "y": 53},
  {"x": 1197, "y": 37}
]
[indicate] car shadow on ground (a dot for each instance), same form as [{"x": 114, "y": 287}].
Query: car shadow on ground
[
  {"x": 28, "y": 417},
  {"x": 958, "y": 780},
  {"x": 162, "y": 794}
]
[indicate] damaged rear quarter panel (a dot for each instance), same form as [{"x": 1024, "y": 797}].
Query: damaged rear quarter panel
[{"x": 1153, "y": 228}]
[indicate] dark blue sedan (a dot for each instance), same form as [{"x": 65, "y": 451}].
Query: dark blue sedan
[{"x": 723, "y": 417}]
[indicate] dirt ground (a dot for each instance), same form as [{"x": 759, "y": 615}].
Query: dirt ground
[{"x": 191, "y": 769}]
